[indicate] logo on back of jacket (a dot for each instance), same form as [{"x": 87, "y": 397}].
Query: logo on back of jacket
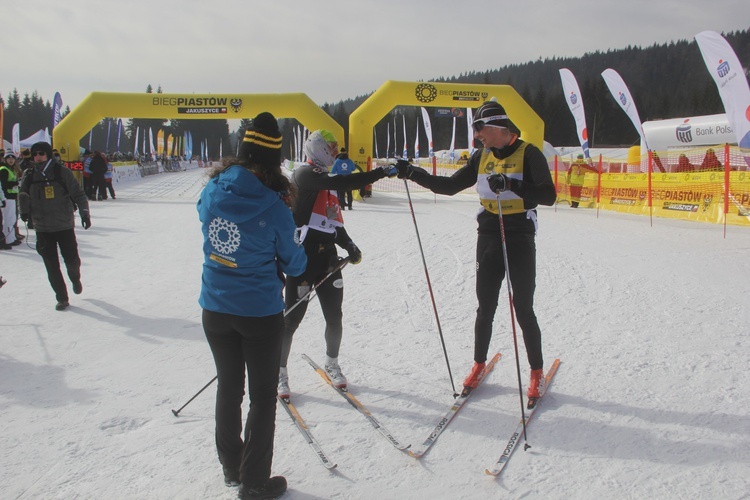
[{"x": 224, "y": 237}]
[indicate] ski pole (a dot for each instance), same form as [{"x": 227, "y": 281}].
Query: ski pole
[
  {"x": 177, "y": 412},
  {"x": 429, "y": 287},
  {"x": 307, "y": 297},
  {"x": 526, "y": 444}
]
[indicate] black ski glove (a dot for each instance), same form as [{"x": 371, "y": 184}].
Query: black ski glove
[
  {"x": 355, "y": 254},
  {"x": 500, "y": 182},
  {"x": 85, "y": 220}
]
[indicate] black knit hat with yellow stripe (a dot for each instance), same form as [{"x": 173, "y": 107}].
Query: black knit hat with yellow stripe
[{"x": 262, "y": 142}]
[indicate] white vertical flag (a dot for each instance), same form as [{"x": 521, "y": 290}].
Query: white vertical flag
[
  {"x": 406, "y": 152},
  {"x": 395, "y": 138},
  {"x": 453, "y": 141},
  {"x": 469, "y": 121},
  {"x": 135, "y": 142},
  {"x": 388, "y": 139},
  {"x": 575, "y": 103},
  {"x": 428, "y": 130},
  {"x": 620, "y": 92},
  {"x": 15, "y": 137},
  {"x": 416, "y": 145},
  {"x": 151, "y": 142},
  {"x": 375, "y": 138},
  {"x": 727, "y": 72}
]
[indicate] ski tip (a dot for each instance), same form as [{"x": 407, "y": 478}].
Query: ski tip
[{"x": 490, "y": 473}]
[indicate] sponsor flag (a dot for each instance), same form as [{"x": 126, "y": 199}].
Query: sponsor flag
[
  {"x": 470, "y": 133},
  {"x": 729, "y": 75},
  {"x": 375, "y": 139},
  {"x": 620, "y": 92},
  {"x": 575, "y": 103},
  {"x": 416, "y": 145},
  {"x": 428, "y": 130},
  {"x": 56, "y": 110},
  {"x": 2, "y": 123},
  {"x": 119, "y": 132},
  {"x": 453, "y": 141},
  {"x": 109, "y": 129},
  {"x": 406, "y": 153},
  {"x": 395, "y": 138},
  {"x": 388, "y": 139},
  {"x": 15, "y": 137},
  {"x": 152, "y": 149},
  {"x": 135, "y": 142}
]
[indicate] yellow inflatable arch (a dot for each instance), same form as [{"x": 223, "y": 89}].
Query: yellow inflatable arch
[
  {"x": 99, "y": 105},
  {"x": 445, "y": 95}
]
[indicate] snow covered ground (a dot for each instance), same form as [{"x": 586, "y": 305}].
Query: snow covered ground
[{"x": 652, "y": 399}]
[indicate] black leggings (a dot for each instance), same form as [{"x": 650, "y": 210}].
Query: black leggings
[
  {"x": 490, "y": 273},
  {"x": 242, "y": 343},
  {"x": 330, "y": 295},
  {"x": 46, "y": 246}
]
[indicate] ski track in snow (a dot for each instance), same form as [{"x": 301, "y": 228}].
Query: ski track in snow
[{"x": 651, "y": 323}]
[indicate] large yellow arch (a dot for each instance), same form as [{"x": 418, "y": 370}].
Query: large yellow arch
[
  {"x": 98, "y": 105},
  {"x": 446, "y": 95}
]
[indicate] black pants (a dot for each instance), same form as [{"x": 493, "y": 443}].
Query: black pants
[
  {"x": 238, "y": 344},
  {"x": 490, "y": 273},
  {"x": 46, "y": 246},
  {"x": 330, "y": 295},
  {"x": 343, "y": 196}
]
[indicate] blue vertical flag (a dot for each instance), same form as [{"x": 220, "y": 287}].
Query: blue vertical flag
[{"x": 56, "y": 110}]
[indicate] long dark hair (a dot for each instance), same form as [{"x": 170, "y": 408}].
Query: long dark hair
[{"x": 271, "y": 177}]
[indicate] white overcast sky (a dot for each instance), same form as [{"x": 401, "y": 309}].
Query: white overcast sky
[{"x": 331, "y": 50}]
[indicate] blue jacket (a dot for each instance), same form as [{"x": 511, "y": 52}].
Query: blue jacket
[
  {"x": 248, "y": 238},
  {"x": 343, "y": 167}
]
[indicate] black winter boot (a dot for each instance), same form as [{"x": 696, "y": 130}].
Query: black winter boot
[{"x": 272, "y": 488}]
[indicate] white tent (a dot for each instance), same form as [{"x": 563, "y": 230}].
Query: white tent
[{"x": 40, "y": 135}]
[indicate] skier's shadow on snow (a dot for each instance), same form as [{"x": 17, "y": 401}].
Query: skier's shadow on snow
[
  {"x": 140, "y": 327},
  {"x": 714, "y": 439},
  {"x": 37, "y": 385}
]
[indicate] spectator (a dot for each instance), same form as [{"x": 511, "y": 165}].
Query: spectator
[
  {"x": 343, "y": 166},
  {"x": 248, "y": 233},
  {"x": 711, "y": 162},
  {"x": 9, "y": 185},
  {"x": 683, "y": 164},
  {"x": 108, "y": 179},
  {"x": 575, "y": 178},
  {"x": 98, "y": 169},
  {"x": 47, "y": 198}
]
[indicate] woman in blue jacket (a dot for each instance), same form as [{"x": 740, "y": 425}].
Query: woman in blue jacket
[{"x": 248, "y": 245}]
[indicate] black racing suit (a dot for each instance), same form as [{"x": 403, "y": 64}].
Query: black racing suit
[
  {"x": 320, "y": 248},
  {"x": 520, "y": 230}
]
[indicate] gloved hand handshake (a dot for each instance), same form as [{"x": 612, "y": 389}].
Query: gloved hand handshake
[
  {"x": 355, "y": 254},
  {"x": 405, "y": 169},
  {"x": 388, "y": 170},
  {"x": 498, "y": 182}
]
